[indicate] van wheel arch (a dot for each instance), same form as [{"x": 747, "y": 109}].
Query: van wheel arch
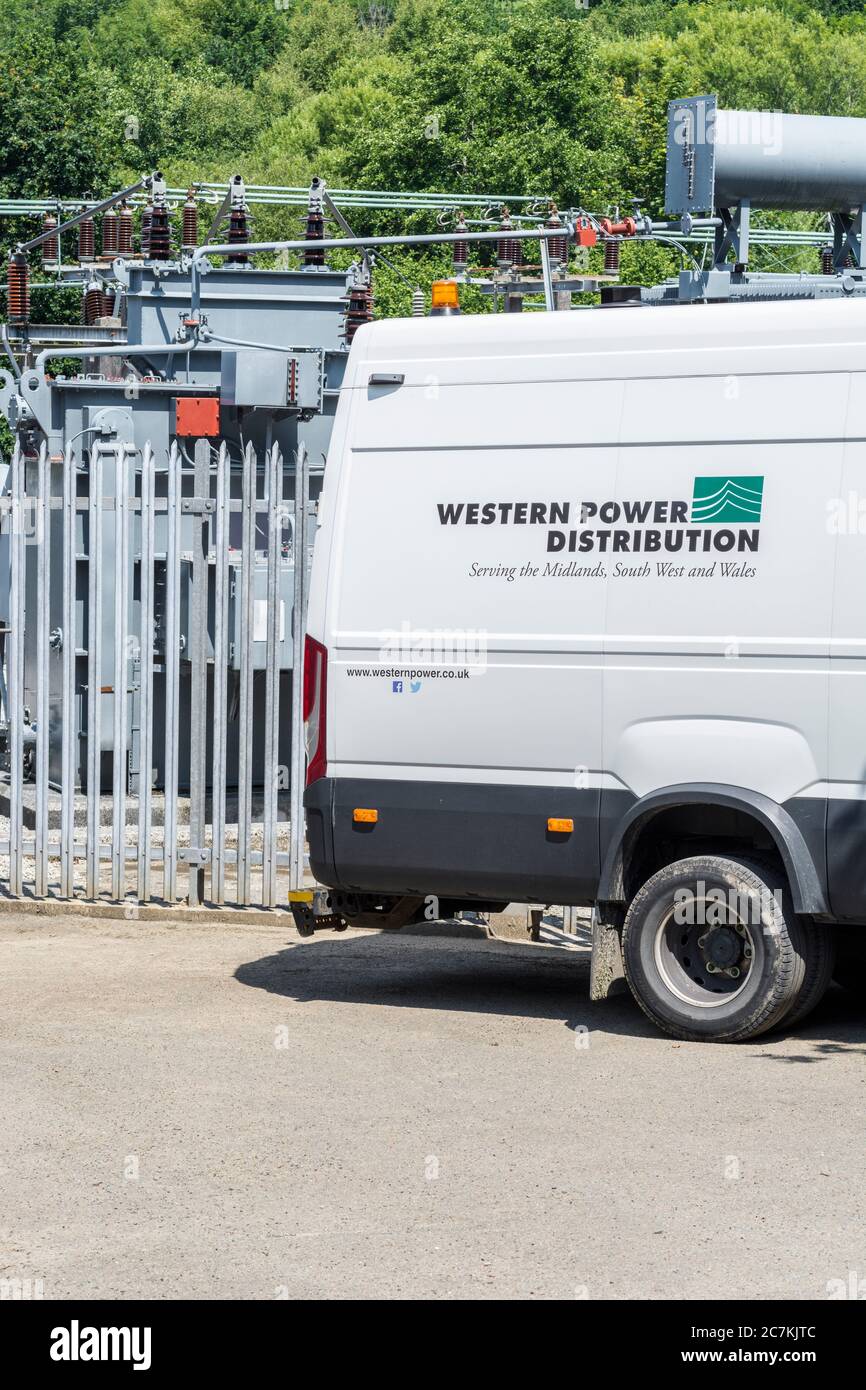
[{"x": 638, "y": 828}]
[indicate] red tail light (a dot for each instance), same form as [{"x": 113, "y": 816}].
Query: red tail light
[{"x": 315, "y": 707}]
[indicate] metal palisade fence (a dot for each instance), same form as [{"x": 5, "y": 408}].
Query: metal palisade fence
[{"x": 152, "y": 631}]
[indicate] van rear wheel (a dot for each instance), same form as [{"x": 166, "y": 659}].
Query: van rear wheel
[
  {"x": 850, "y": 968},
  {"x": 818, "y": 948},
  {"x": 712, "y": 950}
]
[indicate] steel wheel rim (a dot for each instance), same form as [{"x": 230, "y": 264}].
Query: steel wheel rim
[{"x": 697, "y": 962}]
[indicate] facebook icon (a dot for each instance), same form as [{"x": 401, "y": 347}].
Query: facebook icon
[{"x": 397, "y": 687}]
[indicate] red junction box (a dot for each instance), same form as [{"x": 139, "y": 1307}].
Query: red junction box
[{"x": 197, "y": 417}]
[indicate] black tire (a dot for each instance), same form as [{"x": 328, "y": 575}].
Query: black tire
[
  {"x": 818, "y": 947},
  {"x": 850, "y": 967},
  {"x": 725, "y": 981}
]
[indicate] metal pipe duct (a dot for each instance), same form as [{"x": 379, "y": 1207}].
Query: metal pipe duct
[{"x": 782, "y": 161}]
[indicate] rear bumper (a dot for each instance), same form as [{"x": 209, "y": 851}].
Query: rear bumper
[{"x": 454, "y": 839}]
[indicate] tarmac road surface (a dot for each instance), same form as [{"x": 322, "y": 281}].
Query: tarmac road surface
[{"x": 226, "y": 1111}]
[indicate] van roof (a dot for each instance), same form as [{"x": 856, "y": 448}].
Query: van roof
[{"x": 636, "y": 329}]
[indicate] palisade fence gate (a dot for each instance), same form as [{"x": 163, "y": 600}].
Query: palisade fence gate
[{"x": 85, "y": 543}]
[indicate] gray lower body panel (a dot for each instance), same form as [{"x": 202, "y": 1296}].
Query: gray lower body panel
[
  {"x": 454, "y": 839},
  {"x": 486, "y": 840}
]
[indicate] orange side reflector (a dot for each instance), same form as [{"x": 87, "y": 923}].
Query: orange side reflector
[
  {"x": 562, "y": 825},
  {"x": 366, "y": 815}
]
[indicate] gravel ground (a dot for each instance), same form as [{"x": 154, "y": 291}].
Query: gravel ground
[{"x": 229, "y": 1112}]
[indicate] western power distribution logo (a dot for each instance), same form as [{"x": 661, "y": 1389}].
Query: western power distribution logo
[
  {"x": 723, "y": 516},
  {"x": 727, "y": 501}
]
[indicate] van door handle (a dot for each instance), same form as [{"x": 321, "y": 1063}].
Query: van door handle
[{"x": 386, "y": 379}]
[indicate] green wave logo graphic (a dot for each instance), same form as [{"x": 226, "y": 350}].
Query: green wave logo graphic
[{"x": 720, "y": 501}]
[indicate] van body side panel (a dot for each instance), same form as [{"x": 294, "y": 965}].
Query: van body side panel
[
  {"x": 437, "y": 662},
  {"x": 718, "y": 652},
  {"x": 846, "y": 785}
]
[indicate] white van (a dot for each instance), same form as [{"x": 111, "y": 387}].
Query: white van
[{"x": 588, "y": 626}]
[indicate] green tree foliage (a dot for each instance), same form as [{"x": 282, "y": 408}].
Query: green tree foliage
[
  {"x": 504, "y": 97},
  {"x": 524, "y": 109},
  {"x": 241, "y": 37}
]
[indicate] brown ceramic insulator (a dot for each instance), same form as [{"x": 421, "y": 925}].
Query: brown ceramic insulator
[
  {"x": 314, "y": 231},
  {"x": 189, "y": 231},
  {"x": 159, "y": 235},
  {"x": 110, "y": 232},
  {"x": 51, "y": 247},
  {"x": 124, "y": 231},
  {"x": 460, "y": 249},
  {"x": 18, "y": 288},
  {"x": 360, "y": 309},
  {"x": 86, "y": 239},
  {"x": 238, "y": 234},
  {"x": 557, "y": 245},
  {"x": 506, "y": 245},
  {"x": 91, "y": 305}
]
